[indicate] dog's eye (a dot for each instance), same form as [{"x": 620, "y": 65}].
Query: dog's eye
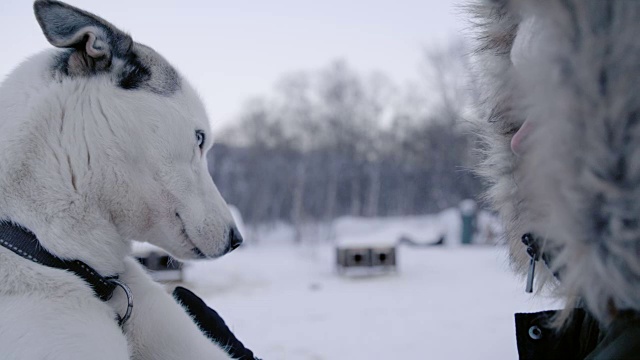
[{"x": 200, "y": 138}]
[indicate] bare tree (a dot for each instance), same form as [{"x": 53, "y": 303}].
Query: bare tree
[{"x": 333, "y": 142}]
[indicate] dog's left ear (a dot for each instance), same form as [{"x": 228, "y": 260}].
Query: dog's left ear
[{"x": 96, "y": 41}]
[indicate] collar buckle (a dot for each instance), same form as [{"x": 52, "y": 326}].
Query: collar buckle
[{"x": 127, "y": 291}]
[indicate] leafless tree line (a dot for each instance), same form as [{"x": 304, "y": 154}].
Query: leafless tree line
[{"x": 333, "y": 142}]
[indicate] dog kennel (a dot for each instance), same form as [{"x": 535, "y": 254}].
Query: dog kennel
[{"x": 357, "y": 255}]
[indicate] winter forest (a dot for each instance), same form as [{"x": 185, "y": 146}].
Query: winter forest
[{"x": 337, "y": 142}]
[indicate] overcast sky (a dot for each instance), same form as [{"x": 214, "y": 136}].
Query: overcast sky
[{"x": 233, "y": 50}]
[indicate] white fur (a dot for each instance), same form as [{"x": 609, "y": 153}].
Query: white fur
[
  {"x": 573, "y": 70},
  {"x": 88, "y": 166}
]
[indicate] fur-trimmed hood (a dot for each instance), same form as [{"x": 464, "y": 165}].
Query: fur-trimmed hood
[{"x": 570, "y": 70}]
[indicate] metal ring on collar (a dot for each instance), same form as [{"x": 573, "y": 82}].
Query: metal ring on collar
[{"x": 127, "y": 291}]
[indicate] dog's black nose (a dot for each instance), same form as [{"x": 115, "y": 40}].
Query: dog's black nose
[{"x": 235, "y": 238}]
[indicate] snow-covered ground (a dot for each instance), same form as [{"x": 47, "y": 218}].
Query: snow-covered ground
[
  {"x": 287, "y": 302},
  {"x": 420, "y": 229}
]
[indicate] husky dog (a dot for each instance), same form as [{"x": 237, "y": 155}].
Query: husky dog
[
  {"x": 563, "y": 140},
  {"x": 102, "y": 141}
]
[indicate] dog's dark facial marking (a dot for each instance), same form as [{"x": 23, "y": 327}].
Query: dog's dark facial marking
[
  {"x": 60, "y": 64},
  {"x": 145, "y": 69},
  {"x": 167, "y": 81},
  {"x": 134, "y": 74}
]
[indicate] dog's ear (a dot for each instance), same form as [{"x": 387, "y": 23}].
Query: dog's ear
[{"x": 96, "y": 41}]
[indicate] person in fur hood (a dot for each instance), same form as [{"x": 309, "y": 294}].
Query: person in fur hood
[{"x": 562, "y": 155}]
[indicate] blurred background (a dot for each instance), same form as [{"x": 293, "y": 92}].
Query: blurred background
[{"x": 344, "y": 146}]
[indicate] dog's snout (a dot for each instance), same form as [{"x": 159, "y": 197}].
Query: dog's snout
[{"x": 235, "y": 238}]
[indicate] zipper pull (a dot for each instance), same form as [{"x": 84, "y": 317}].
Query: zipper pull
[
  {"x": 532, "y": 251},
  {"x": 530, "y": 274}
]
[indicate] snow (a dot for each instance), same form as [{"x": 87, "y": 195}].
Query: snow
[
  {"x": 353, "y": 231},
  {"x": 288, "y": 302},
  {"x": 468, "y": 207},
  {"x": 360, "y": 231}
]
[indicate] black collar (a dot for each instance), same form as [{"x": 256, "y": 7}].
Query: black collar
[{"x": 24, "y": 243}]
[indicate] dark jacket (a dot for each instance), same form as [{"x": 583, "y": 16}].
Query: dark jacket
[{"x": 582, "y": 338}]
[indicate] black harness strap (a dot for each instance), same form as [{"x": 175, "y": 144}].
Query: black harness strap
[{"x": 24, "y": 243}]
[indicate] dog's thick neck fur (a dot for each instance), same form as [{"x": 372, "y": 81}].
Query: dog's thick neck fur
[
  {"x": 47, "y": 181},
  {"x": 571, "y": 69}
]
